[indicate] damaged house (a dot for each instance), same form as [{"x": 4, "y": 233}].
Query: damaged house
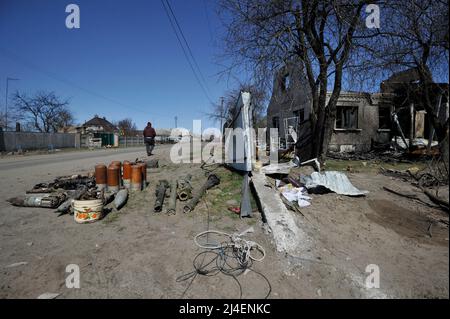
[{"x": 362, "y": 119}]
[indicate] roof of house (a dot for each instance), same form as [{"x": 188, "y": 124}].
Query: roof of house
[{"x": 98, "y": 121}]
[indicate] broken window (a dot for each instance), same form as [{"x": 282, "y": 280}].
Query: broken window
[
  {"x": 384, "y": 117},
  {"x": 347, "y": 117},
  {"x": 275, "y": 122},
  {"x": 300, "y": 114}
]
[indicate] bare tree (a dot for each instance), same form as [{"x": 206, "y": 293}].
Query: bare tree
[
  {"x": 415, "y": 36},
  {"x": 44, "y": 111},
  {"x": 265, "y": 34},
  {"x": 127, "y": 127}
]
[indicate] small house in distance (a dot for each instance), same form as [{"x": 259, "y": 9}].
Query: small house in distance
[{"x": 99, "y": 132}]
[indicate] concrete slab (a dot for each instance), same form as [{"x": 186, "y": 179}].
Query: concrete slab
[{"x": 287, "y": 235}]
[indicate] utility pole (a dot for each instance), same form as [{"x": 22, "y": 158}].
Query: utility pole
[
  {"x": 6, "y": 102},
  {"x": 176, "y": 121}
]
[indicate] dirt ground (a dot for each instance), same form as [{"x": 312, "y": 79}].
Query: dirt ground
[{"x": 135, "y": 253}]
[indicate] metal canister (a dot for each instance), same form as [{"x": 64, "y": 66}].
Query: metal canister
[
  {"x": 136, "y": 178},
  {"x": 126, "y": 174},
  {"x": 113, "y": 178},
  {"x": 119, "y": 165},
  {"x": 100, "y": 176}
]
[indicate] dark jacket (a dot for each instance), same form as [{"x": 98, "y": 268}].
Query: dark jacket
[{"x": 149, "y": 132}]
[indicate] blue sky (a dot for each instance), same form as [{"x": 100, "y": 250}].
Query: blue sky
[{"x": 124, "y": 61}]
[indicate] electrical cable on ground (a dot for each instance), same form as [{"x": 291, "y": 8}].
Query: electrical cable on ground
[{"x": 232, "y": 258}]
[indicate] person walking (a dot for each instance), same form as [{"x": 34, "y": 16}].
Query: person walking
[{"x": 149, "y": 138}]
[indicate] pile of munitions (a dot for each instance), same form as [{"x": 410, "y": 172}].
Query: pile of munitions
[
  {"x": 59, "y": 193},
  {"x": 112, "y": 183},
  {"x": 105, "y": 184},
  {"x": 181, "y": 189}
]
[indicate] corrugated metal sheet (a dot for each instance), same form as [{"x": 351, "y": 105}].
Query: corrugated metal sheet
[{"x": 332, "y": 181}]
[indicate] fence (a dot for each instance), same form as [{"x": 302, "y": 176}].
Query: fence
[
  {"x": 129, "y": 141},
  {"x": 15, "y": 141}
]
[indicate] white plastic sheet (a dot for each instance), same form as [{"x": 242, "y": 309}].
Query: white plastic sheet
[{"x": 295, "y": 194}]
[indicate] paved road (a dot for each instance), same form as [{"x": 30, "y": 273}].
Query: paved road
[
  {"x": 17, "y": 162},
  {"x": 21, "y": 173}
]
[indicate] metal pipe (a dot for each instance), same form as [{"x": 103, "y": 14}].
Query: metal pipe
[
  {"x": 172, "y": 209},
  {"x": 184, "y": 189},
  {"x": 160, "y": 195},
  {"x": 212, "y": 181}
]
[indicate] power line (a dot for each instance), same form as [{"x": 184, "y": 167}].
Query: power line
[
  {"x": 187, "y": 44},
  {"x": 172, "y": 18},
  {"x": 72, "y": 84}
]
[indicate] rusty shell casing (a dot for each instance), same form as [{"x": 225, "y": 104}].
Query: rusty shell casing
[
  {"x": 100, "y": 176},
  {"x": 113, "y": 178},
  {"x": 126, "y": 174},
  {"x": 136, "y": 178},
  {"x": 118, "y": 164}
]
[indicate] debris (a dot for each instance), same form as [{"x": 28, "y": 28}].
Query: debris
[
  {"x": 48, "y": 295},
  {"x": 212, "y": 181},
  {"x": 121, "y": 198},
  {"x": 295, "y": 194},
  {"x": 331, "y": 181},
  {"x": 315, "y": 161},
  {"x": 153, "y": 163},
  {"x": 242, "y": 121},
  {"x": 45, "y": 200},
  {"x": 279, "y": 168},
  {"x": 293, "y": 181},
  {"x": 420, "y": 143},
  {"x": 67, "y": 205},
  {"x": 399, "y": 128},
  {"x": 21, "y": 263},
  {"x": 184, "y": 190},
  {"x": 72, "y": 182},
  {"x": 160, "y": 195},
  {"x": 246, "y": 206},
  {"x": 285, "y": 168},
  {"x": 235, "y": 210},
  {"x": 444, "y": 204},
  {"x": 287, "y": 235},
  {"x": 108, "y": 197},
  {"x": 30, "y": 243},
  {"x": 171, "y": 210}
]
